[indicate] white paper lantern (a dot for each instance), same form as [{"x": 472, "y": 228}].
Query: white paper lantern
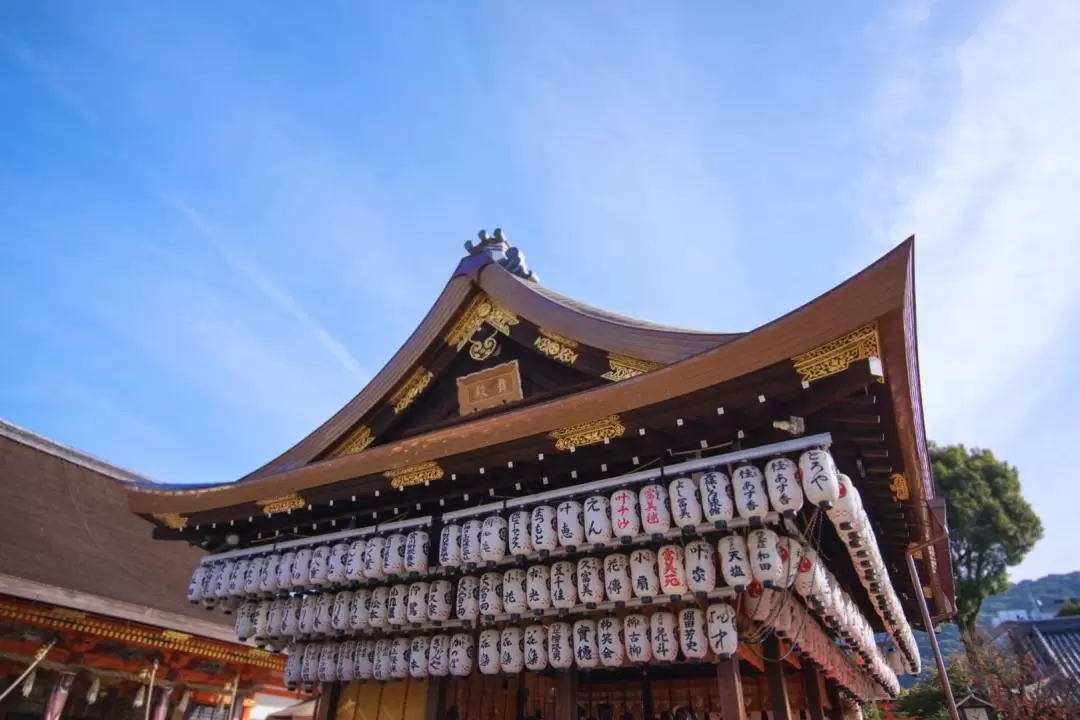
[
  {"x": 380, "y": 603},
  {"x": 373, "y": 558},
  {"x": 339, "y": 557},
  {"x": 597, "y": 520},
  {"x": 493, "y": 534},
  {"x": 536, "y": 648},
  {"x": 723, "y": 633},
  {"x": 254, "y": 576},
  {"x": 734, "y": 561},
  {"x": 571, "y": 519},
  {"x": 440, "y": 600},
  {"x": 346, "y": 661},
  {"x": 462, "y": 651},
  {"x": 339, "y": 619},
  {"x": 284, "y": 570},
  {"x": 845, "y": 510},
  {"x": 590, "y": 581},
  {"x": 418, "y": 657},
  {"x": 700, "y": 567},
  {"x": 295, "y": 657},
  {"x": 563, "y": 585},
  {"x": 194, "y": 592},
  {"x": 491, "y": 594},
  {"x": 788, "y": 568},
  {"x": 245, "y": 620},
  {"x": 692, "y": 638},
  {"x": 221, "y": 579},
  {"x": 328, "y": 658},
  {"x": 309, "y": 608},
  {"x": 665, "y": 643},
  {"x": 360, "y": 610},
  {"x": 236, "y": 579},
  {"x": 275, "y": 621},
  {"x": 324, "y": 615},
  {"x": 416, "y": 610},
  {"x": 643, "y": 573},
  {"x": 538, "y": 588},
  {"x": 519, "y": 533},
  {"x": 268, "y": 578},
  {"x": 617, "y": 583},
  {"x": 207, "y": 590},
  {"x": 382, "y": 661},
  {"x": 394, "y": 555},
  {"x": 807, "y": 572},
  {"x": 586, "y": 654},
  {"x": 468, "y": 598},
  {"x": 512, "y": 642},
  {"x": 819, "y": 478},
  {"x": 750, "y": 498},
  {"x": 399, "y": 654},
  {"x": 301, "y": 567},
  {"x": 717, "y": 498},
  {"x": 290, "y": 616},
  {"x": 762, "y": 602},
  {"x": 354, "y": 562},
  {"x": 450, "y": 546},
  {"x": 309, "y": 664},
  {"x": 625, "y": 521},
  {"x": 655, "y": 517},
  {"x": 685, "y": 507},
  {"x": 262, "y": 622},
  {"x": 638, "y": 638},
  {"x": 417, "y": 546},
  {"x": 782, "y": 482},
  {"x": 514, "y": 592},
  {"x": 560, "y": 652},
  {"x": 397, "y": 605},
  {"x": 765, "y": 565},
  {"x": 487, "y": 654},
  {"x": 609, "y": 641},
  {"x": 439, "y": 656},
  {"x": 471, "y": 533},
  {"x": 672, "y": 570},
  {"x": 545, "y": 529}
]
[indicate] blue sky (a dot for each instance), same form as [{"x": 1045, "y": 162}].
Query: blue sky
[{"x": 217, "y": 221}]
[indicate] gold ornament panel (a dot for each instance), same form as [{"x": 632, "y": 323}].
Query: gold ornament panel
[
  {"x": 623, "y": 367},
  {"x": 282, "y": 503},
  {"x": 838, "y": 355},
  {"x": 590, "y": 433},
  {"x": 414, "y": 474}
]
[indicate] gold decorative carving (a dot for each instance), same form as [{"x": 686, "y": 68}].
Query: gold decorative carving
[
  {"x": 489, "y": 388},
  {"x": 175, "y": 636},
  {"x": 624, "y": 367},
  {"x": 837, "y": 355},
  {"x": 481, "y": 350},
  {"x": 556, "y": 346},
  {"x": 898, "y": 485},
  {"x": 928, "y": 592},
  {"x": 588, "y": 433},
  {"x": 360, "y": 438},
  {"x": 414, "y": 474},
  {"x": 282, "y": 503},
  {"x": 172, "y": 520},
  {"x": 411, "y": 390},
  {"x": 67, "y": 614},
  {"x": 480, "y": 311}
]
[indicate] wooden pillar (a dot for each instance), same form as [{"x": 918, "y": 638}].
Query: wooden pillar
[
  {"x": 774, "y": 674},
  {"x": 836, "y": 711},
  {"x": 729, "y": 681},
  {"x": 326, "y": 703},
  {"x": 436, "y": 698},
  {"x": 812, "y": 682},
  {"x": 646, "y": 694},
  {"x": 566, "y": 695}
]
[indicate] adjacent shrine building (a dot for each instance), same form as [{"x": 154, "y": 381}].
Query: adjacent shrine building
[{"x": 540, "y": 509}]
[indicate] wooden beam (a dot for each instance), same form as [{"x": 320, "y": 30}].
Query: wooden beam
[
  {"x": 836, "y": 708},
  {"x": 774, "y": 673},
  {"x": 565, "y": 695},
  {"x": 729, "y": 684},
  {"x": 812, "y": 681},
  {"x": 436, "y": 699},
  {"x": 326, "y": 703}
]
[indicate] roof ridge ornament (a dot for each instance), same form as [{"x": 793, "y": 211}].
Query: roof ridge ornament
[{"x": 499, "y": 249}]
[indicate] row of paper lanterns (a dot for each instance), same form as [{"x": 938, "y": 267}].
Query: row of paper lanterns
[
  {"x": 586, "y": 643},
  {"x": 653, "y": 509},
  {"x": 853, "y": 526}
]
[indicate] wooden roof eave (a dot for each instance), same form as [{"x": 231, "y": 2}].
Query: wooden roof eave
[{"x": 874, "y": 293}]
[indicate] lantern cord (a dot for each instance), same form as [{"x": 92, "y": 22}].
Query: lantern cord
[{"x": 38, "y": 657}]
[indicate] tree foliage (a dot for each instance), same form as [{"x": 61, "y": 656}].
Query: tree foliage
[
  {"x": 1071, "y": 608},
  {"x": 926, "y": 699},
  {"x": 992, "y": 526}
]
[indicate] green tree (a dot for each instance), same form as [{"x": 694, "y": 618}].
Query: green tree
[
  {"x": 926, "y": 699},
  {"x": 992, "y": 526},
  {"x": 1071, "y": 608}
]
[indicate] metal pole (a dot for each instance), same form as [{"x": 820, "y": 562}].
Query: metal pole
[
  {"x": 38, "y": 657},
  {"x": 150, "y": 691},
  {"x": 943, "y": 677}
]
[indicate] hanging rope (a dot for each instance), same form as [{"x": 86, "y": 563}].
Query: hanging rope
[{"x": 38, "y": 659}]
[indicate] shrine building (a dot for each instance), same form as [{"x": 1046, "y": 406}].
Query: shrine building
[{"x": 541, "y": 509}]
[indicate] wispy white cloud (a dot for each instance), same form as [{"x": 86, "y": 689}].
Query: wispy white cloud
[
  {"x": 49, "y": 76},
  {"x": 987, "y": 175}
]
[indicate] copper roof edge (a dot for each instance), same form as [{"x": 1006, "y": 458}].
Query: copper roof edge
[
  {"x": 39, "y": 442},
  {"x": 870, "y": 294}
]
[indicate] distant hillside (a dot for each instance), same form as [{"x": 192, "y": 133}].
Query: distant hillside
[{"x": 1023, "y": 595}]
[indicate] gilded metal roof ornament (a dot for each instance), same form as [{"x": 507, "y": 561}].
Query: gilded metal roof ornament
[{"x": 499, "y": 249}]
